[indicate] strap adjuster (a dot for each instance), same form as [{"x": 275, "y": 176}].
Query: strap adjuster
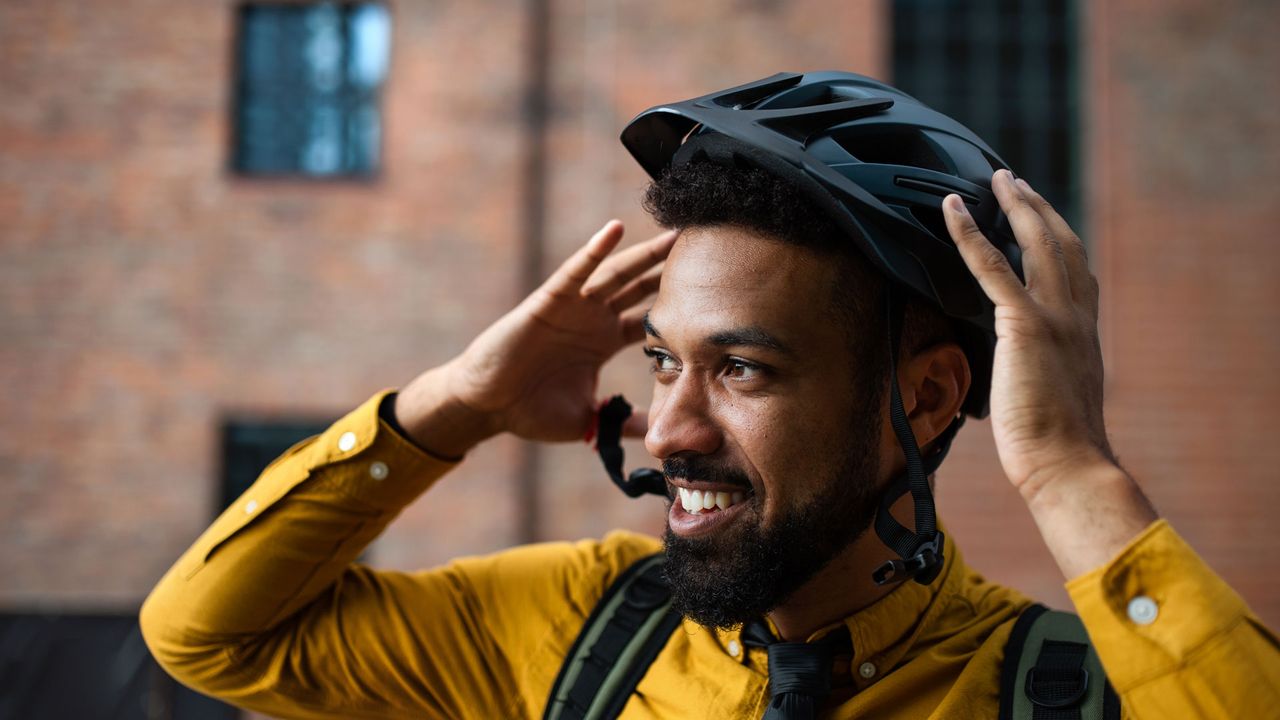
[
  {"x": 923, "y": 566},
  {"x": 1082, "y": 686}
]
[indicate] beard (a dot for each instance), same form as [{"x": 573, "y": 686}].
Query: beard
[{"x": 749, "y": 568}]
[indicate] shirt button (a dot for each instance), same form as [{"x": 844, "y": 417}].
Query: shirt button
[
  {"x": 250, "y": 507},
  {"x": 867, "y": 670},
  {"x": 734, "y": 648},
  {"x": 1143, "y": 610},
  {"x": 378, "y": 470},
  {"x": 347, "y": 441}
]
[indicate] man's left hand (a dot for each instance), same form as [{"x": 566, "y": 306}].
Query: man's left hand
[{"x": 1046, "y": 385}]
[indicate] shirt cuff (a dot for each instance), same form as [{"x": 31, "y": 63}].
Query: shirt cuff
[
  {"x": 1152, "y": 606},
  {"x": 366, "y": 457}
]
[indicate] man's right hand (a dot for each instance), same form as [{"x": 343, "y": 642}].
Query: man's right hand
[{"x": 534, "y": 372}]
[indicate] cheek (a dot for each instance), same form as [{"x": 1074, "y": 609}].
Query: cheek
[{"x": 787, "y": 447}]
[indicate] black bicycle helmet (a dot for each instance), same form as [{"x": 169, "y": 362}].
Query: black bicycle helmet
[{"x": 879, "y": 162}]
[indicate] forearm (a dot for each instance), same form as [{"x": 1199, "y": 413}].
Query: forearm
[
  {"x": 286, "y": 540},
  {"x": 436, "y": 420},
  {"x": 1088, "y": 514}
]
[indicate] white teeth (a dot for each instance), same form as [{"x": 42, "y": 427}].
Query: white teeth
[
  {"x": 697, "y": 501},
  {"x": 686, "y": 500}
]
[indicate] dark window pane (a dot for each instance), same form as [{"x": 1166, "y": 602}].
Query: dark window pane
[
  {"x": 64, "y": 665},
  {"x": 1008, "y": 70},
  {"x": 248, "y": 446},
  {"x": 308, "y": 88}
]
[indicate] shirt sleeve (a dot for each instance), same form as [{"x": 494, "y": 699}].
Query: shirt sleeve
[
  {"x": 1175, "y": 639},
  {"x": 269, "y": 611}
]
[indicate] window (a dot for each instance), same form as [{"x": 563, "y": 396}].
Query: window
[
  {"x": 90, "y": 665},
  {"x": 308, "y": 85},
  {"x": 1008, "y": 70},
  {"x": 248, "y": 446}
]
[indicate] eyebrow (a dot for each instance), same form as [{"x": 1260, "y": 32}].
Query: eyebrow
[
  {"x": 749, "y": 336},
  {"x": 649, "y": 329}
]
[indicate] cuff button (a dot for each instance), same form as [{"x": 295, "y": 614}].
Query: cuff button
[
  {"x": 347, "y": 441},
  {"x": 1143, "y": 610},
  {"x": 378, "y": 470}
]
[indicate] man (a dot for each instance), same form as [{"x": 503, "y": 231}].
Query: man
[{"x": 814, "y": 340}]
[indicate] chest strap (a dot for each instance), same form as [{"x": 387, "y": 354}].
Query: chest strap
[{"x": 619, "y": 641}]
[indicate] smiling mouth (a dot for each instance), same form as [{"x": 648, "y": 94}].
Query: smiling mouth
[
  {"x": 698, "y": 512},
  {"x": 696, "y": 502}
]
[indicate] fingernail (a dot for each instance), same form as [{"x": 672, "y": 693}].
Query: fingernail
[
  {"x": 1023, "y": 185},
  {"x": 956, "y": 204}
]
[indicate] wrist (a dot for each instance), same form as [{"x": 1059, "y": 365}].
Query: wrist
[
  {"x": 1087, "y": 513},
  {"x": 1078, "y": 471},
  {"x": 437, "y": 420}
]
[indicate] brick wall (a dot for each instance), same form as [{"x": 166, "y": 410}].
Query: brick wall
[{"x": 145, "y": 293}]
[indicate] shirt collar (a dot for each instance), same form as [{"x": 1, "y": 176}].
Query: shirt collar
[
  {"x": 883, "y": 632},
  {"x": 886, "y": 630}
]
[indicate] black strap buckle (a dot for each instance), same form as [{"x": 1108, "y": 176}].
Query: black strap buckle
[
  {"x": 923, "y": 566},
  {"x": 1082, "y": 686}
]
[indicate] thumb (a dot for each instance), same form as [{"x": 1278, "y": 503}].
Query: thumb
[{"x": 637, "y": 425}]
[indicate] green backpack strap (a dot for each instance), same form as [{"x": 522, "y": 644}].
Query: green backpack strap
[
  {"x": 1052, "y": 672},
  {"x": 622, "y": 637}
]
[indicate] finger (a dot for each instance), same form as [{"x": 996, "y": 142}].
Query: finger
[
  {"x": 1075, "y": 256},
  {"x": 1041, "y": 251},
  {"x": 987, "y": 264},
  {"x": 637, "y": 425},
  {"x": 624, "y": 267},
  {"x": 639, "y": 289},
  {"x": 570, "y": 276}
]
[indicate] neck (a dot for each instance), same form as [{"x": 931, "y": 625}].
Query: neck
[{"x": 841, "y": 588}]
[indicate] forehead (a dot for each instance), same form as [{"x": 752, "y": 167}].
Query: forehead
[{"x": 722, "y": 276}]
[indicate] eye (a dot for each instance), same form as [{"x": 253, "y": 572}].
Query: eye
[
  {"x": 662, "y": 362},
  {"x": 742, "y": 370}
]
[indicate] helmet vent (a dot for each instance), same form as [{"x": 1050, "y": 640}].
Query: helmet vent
[
  {"x": 890, "y": 146},
  {"x": 814, "y": 96}
]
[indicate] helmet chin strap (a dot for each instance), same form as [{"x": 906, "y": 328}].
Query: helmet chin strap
[
  {"x": 920, "y": 552},
  {"x": 608, "y": 444}
]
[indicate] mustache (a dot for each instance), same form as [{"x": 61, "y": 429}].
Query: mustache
[{"x": 698, "y": 467}]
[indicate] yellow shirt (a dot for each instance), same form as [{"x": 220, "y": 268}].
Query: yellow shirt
[{"x": 267, "y": 610}]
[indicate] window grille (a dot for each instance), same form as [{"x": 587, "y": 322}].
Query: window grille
[
  {"x": 1007, "y": 69},
  {"x": 308, "y": 86}
]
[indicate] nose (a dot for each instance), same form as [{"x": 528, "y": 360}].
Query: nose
[{"x": 680, "y": 420}]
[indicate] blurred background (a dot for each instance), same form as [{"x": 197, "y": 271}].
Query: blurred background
[{"x": 223, "y": 225}]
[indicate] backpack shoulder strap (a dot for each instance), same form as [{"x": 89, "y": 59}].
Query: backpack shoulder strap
[
  {"x": 621, "y": 638},
  {"x": 1052, "y": 672}
]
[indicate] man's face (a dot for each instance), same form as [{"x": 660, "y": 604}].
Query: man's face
[{"x": 767, "y": 431}]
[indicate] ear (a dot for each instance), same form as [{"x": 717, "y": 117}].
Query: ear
[{"x": 934, "y": 383}]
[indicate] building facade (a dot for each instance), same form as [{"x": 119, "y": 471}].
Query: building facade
[{"x": 156, "y": 297}]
